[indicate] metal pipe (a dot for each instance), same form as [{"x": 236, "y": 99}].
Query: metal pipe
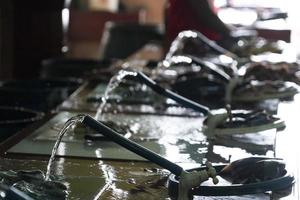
[
  {"x": 172, "y": 95},
  {"x": 132, "y": 146}
]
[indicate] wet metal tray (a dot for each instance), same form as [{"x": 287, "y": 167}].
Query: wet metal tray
[
  {"x": 124, "y": 100},
  {"x": 179, "y": 139},
  {"x": 158, "y": 133}
]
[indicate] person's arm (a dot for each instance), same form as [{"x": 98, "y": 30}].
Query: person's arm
[{"x": 204, "y": 13}]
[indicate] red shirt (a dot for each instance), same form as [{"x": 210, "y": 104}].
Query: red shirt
[{"x": 182, "y": 17}]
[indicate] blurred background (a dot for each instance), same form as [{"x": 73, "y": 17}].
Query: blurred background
[{"x": 31, "y": 30}]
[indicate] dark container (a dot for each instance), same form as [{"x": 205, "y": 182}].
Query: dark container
[
  {"x": 203, "y": 90},
  {"x": 14, "y": 119},
  {"x": 40, "y": 95}
]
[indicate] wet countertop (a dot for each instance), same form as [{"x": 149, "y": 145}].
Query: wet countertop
[{"x": 103, "y": 170}]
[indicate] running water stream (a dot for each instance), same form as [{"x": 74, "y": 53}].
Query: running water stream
[
  {"x": 113, "y": 84},
  {"x": 68, "y": 125}
]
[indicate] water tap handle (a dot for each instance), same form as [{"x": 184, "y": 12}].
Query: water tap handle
[{"x": 189, "y": 180}]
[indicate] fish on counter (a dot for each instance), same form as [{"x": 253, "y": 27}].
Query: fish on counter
[
  {"x": 255, "y": 90},
  {"x": 253, "y": 170},
  {"x": 273, "y": 71}
]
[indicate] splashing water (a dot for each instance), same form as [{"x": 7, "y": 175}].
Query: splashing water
[
  {"x": 114, "y": 82},
  {"x": 72, "y": 121}
]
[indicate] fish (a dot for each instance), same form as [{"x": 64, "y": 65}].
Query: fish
[{"x": 253, "y": 170}]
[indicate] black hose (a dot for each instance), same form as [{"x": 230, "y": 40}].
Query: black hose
[
  {"x": 132, "y": 146},
  {"x": 172, "y": 95}
]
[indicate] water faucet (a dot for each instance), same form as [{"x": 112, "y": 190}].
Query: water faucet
[{"x": 188, "y": 180}]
